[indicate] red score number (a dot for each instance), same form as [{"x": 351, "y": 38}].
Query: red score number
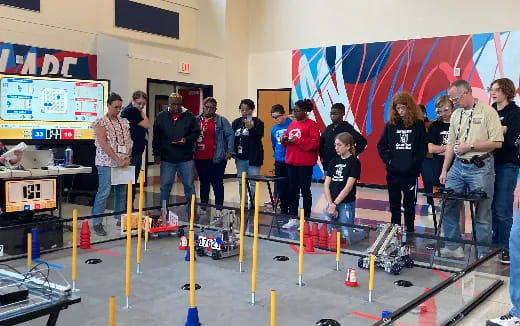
[{"x": 67, "y": 133}]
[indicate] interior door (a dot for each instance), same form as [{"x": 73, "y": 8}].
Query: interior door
[{"x": 266, "y": 98}]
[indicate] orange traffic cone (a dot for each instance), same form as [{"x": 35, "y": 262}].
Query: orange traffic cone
[
  {"x": 306, "y": 229},
  {"x": 309, "y": 245},
  {"x": 183, "y": 243},
  {"x": 315, "y": 234},
  {"x": 84, "y": 236},
  {"x": 332, "y": 240},
  {"x": 323, "y": 236},
  {"x": 351, "y": 278}
]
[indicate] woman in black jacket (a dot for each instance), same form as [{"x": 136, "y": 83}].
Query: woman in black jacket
[
  {"x": 249, "y": 151},
  {"x": 402, "y": 148}
]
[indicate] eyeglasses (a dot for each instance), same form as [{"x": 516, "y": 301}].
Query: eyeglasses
[
  {"x": 275, "y": 117},
  {"x": 457, "y": 98},
  {"x": 210, "y": 107}
]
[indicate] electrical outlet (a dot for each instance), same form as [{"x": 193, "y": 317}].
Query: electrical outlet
[{"x": 456, "y": 72}]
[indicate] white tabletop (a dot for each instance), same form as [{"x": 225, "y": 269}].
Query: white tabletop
[{"x": 52, "y": 171}]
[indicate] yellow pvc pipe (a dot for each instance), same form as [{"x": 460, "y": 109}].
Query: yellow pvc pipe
[
  {"x": 29, "y": 250},
  {"x": 128, "y": 237},
  {"x": 255, "y": 238},
  {"x": 372, "y": 270},
  {"x": 192, "y": 268},
  {"x": 74, "y": 243},
  {"x": 242, "y": 217},
  {"x": 273, "y": 308},
  {"x": 139, "y": 216},
  {"x": 300, "y": 252},
  {"x": 192, "y": 211},
  {"x": 112, "y": 311},
  {"x": 338, "y": 245},
  {"x": 146, "y": 228}
]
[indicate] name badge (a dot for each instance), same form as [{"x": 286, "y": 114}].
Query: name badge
[
  {"x": 200, "y": 146},
  {"x": 121, "y": 149},
  {"x": 239, "y": 149}
]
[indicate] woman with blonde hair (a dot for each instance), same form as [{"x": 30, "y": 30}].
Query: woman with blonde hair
[{"x": 402, "y": 148}]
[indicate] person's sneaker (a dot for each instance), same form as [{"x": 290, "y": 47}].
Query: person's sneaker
[
  {"x": 457, "y": 253},
  {"x": 504, "y": 257},
  {"x": 98, "y": 228},
  {"x": 505, "y": 320},
  {"x": 270, "y": 202},
  {"x": 293, "y": 223}
]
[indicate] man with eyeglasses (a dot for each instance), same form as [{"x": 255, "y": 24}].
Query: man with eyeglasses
[
  {"x": 280, "y": 168},
  {"x": 503, "y": 92},
  {"x": 474, "y": 133},
  {"x": 338, "y": 125}
]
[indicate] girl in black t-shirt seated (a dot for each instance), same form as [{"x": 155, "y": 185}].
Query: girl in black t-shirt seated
[{"x": 340, "y": 187}]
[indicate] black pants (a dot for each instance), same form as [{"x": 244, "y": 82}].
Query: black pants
[
  {"x": 136, "y": 160},
  {"x": 281, "y": 170},
  {"x": 300, "y": 178},
  {"x": 405, "y": 184},
  {"x": 211, "y": 173}
]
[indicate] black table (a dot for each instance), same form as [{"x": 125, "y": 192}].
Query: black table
[
  {"x": 473, "y": 200},
  {"x": 267, "y": 179}
]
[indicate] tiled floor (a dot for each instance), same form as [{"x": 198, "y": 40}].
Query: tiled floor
[{"x": 372, "y": 207}]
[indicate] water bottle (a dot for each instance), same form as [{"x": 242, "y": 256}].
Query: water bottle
[
  {"x": 68, "y": 156},
  {"x": 51, "y": 158}
]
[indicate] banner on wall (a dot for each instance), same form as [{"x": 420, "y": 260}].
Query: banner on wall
[
  {"x": 26, "y": 59},
  {"x": 364, "y": 77}
]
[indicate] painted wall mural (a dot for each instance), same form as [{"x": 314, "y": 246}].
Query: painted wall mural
[{"x": 365, "y": 76}]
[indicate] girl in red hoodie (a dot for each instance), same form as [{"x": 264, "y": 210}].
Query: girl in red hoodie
[{"x": 302, "y": 141}]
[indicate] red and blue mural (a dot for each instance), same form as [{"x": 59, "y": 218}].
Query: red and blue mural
[
  {"x": 365, "y": 76},
  {"x": 26, "y": 59}
]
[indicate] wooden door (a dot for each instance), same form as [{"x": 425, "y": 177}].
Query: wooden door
[{"x": 266, "y": 98}]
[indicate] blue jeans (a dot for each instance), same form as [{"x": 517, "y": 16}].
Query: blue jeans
[
  {"x": 243, "y": 166},
  {"x": 168, "y": 171},
  {"x": 104, "y": 186},
  {"x": 502, "y": 207},
  {"x": 346, "y": 214},
  {"x": 468, "y": 177},
  {"x": 514, "y": 270}
]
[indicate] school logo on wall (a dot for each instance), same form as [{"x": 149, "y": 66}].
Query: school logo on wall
[{"x": 26, "y": 59}]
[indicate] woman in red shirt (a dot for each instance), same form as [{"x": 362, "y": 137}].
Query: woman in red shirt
[{"x": 302, "y": 140}]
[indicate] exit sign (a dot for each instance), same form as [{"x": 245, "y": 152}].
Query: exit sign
[{"x": 184, "y": 68}]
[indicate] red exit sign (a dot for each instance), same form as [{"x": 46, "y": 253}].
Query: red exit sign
[{"x": 184, "y": 68}]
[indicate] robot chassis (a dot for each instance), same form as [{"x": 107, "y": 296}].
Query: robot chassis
[
  {"x": 390, "y": 249},
  {"x": 220, "y": 243}
]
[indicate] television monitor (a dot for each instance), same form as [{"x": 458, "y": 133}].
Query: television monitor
[
  {"x": 29, "y": 195},
  {"x": 39, "y": 109}
]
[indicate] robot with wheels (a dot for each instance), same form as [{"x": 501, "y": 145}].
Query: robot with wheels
[
  {"x": 217, "y": 244},
  {"x": 390, "y": 248}
]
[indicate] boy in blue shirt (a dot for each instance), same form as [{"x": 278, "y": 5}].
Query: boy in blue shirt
[{"x": 280, "y": 168}]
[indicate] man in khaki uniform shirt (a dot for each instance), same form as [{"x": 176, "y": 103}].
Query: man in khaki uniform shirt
[{"x": 475, "y": 131}]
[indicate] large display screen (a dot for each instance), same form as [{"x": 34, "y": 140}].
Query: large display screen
[{"x": 50, "y": 108}]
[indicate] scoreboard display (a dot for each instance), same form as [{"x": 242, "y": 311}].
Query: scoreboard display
[
  {"x": 50, "y": 108},
  {"x": 29, "y": 195}
]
